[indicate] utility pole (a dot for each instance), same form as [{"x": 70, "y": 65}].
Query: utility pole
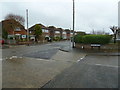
[
  {"x": 27, "y": 26},
  {"x": 73, "y": 46}
]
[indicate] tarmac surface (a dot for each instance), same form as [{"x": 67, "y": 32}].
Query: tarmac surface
[
  {"x": 91, "y": 72},
  {"x": 57, "y": 65}
]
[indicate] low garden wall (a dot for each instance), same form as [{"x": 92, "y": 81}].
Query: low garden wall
[{"x": 84, "y": 42}]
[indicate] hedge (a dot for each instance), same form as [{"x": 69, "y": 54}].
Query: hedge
[
  {"x": 93, "y": 39},
  {"x": 78, "y": 38}
]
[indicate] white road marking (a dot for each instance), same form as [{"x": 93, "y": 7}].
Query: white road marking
[
  {"x": 106, "y": 65},
  {"x": 43, "y": 59},
  {"x": 81, "y": 58},
  {"x": 78, "y": 60}
]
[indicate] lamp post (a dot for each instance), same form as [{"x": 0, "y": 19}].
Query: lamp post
[
  {"x": 73, "y": 46},
  {"x": 27, "y": 26}
]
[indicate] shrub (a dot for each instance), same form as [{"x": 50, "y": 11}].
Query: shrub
[
  {"x": 78, "y": 38},
  {"x": 24, "y": 40},
  {"x": 57, "y": 38},
  {"x": 96, "y": 39},
  {"x": 11, "y": 38}
]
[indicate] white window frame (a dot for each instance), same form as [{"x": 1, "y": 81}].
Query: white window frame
[{"x": 57, "y": 32}]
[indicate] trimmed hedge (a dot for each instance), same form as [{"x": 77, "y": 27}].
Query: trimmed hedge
[
  {"x": 93, "y": 39},
  {"x": 78, "y": 38}
]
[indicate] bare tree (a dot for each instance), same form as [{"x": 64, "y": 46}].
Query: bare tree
[
  {"x": 114, "y": 30},
  {"x": 18, "y": 18},
  {"x": 100, "y": 32}
]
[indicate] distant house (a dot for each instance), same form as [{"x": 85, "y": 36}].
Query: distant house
[
  {"x": 52, "y": 32},
  {"x": 58, "y": 32},
  {"x": 64, "y": 34},
  {"x": 45, "y": 31},
  {"x": 14, "y": 29},
  {"x": 69, "y": 34},
  {"x": 80, "y": 33}
]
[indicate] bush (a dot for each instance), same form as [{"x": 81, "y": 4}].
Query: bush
[
  {"x": 78, "y": 38},
  {"x": 96, "y": 39},
  {"x": 11, "y": 38},
  {"x": 57, "y": 38}
]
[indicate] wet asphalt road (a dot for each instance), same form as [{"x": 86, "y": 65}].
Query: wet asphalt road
[
  {"x": 45, "y": 51},
  {"x": 91, "y": 72}
]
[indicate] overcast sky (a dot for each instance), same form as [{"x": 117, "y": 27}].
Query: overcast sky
[{"x": 89, "y": 14}]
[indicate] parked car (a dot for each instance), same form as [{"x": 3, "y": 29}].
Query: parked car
[
  {"x": 48, "y": 39},
  {"x": 2, "y": 41}
]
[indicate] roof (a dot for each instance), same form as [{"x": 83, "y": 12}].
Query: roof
[
  {"x": 10, "y": 24},
  {"x": 32, "y": 28}
]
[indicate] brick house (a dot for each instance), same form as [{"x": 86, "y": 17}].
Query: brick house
[
  {"x": 55, "y": 32},
  {"x": 58, "y": 32},
  {"x": 52, "y": 32},
  {"x": 45, "y": 32},
  {"x": 14, "y": 29},
  {"x": 69, "y": 34}
]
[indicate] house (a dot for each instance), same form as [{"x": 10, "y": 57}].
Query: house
[
  {"x": 80, "y": 33},
  {"x": 45, "y": 32},
  {"x": 51, "y": 32},
  {"x": 64, "y": 35},
  {"x": 69, "y": 34},
  {"x": 58, "y": 32},
  {"x": 55, "y": 32},
  {"x": 14, "y": 29}
]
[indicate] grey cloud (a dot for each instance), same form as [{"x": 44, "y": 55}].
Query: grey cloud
[{"x": 89, "y": 15}]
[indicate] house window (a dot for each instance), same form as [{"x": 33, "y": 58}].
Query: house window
[
  {"x": 71, "y": 33},
  {"x": 44, "y": 30},
  {"x": 17, "y": 29},
  {"x": 57, "y": 32},
  {"x": 64, "y": 32},
  {"x": 30, "y": 32},
  {"x": 64, "y": 37}
]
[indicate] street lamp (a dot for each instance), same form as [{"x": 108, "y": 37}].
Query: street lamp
[
  {"x": 73, "y": 46},
  {"x": 27, "y": 26}
]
